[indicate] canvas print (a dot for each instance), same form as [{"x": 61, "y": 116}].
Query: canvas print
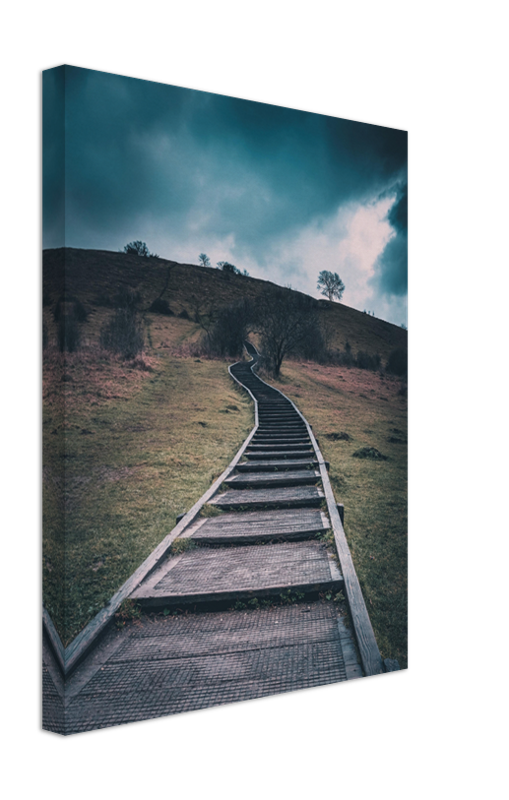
[{"x": 224, "y": 400}]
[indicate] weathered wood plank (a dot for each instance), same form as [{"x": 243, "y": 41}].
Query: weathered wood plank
[
  {"x": 266, "y": 455},
  {"x": 269, "y": 479},
  {"x": 196, "y": 661},
  {"x": 217, "y": 574},
  {"x": 277, "y": 518},
  {"x": 269, "y": 498},
  {"x": 283, "y": 464}
]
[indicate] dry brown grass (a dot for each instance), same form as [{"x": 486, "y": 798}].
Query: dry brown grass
[{"x": 92, "y": 376}]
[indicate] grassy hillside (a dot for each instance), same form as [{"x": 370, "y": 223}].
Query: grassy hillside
[
  {"x": 95, "y": 276},
  {"x": 128, "y": 445}
]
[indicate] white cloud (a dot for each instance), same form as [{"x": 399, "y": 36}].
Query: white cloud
[{"x": 348, "y": 243}]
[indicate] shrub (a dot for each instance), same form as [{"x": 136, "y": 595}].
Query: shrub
[
  {"x": 367, "y": 361},
  {"x": 370, "y": 452},
  {"x": 70, "y": 306},
  {"x": 127, "y": 297},
  {"x": 343, "y": 358},
  {"x": 137, "y": 248},
  {"x": 227, "y": 267},
  {"x": 57, "y": 312},
  {"x": 184, "y": 315},
  {"x": 69, "y": 336},
  {"x": 44, "y": 336},
  {"x": 123, "y": 334},
  {"x": 312, "y": 347},
  {"x": 79, "y": 311},
  {"x": 161, "y": 306},
  {"x": 397, "y": 363}
]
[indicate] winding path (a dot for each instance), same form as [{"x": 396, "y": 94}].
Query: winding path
[{"x": 254, "y": 538}]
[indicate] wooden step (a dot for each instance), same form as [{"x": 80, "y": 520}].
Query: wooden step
[
  {"x": 272, "y": 445},
  {"x": 277, "y": 453},
  {"x": 273, "y": 421},
  {"x": 259, "y": 526},
  {"x": 274, "y": 465},
  {"x": 289, "y": 438},
  {"x": 284, "y": 497},
  {"x": 218, "y": 574},
  {"x": 266, "y": 480},
  {"x": 271, "y": 415}
]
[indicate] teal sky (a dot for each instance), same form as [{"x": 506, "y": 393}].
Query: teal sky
[{"x": 280, "y": 192}]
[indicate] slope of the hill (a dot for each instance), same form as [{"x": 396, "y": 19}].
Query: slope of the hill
[
  {"x": 95, "y": 277},
  {"x": 130, "y": 444}
]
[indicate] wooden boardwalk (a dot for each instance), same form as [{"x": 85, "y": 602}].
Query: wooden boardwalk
[{"x": 228, "y": 589}]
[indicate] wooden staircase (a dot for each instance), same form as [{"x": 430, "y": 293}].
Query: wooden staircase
[{"x": 274, "y": 497}]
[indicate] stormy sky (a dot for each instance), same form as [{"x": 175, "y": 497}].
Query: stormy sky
[{"x": 279, "y": 192}]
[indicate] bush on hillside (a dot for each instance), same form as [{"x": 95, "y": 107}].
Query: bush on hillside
[
  {"x": 68, "y": 334},
  {"x": 312, "y": 347},
  {"x": 70, "y": 306},
  {"x": 367, "y": 361},
  {"x": 123, "y": 334},
  {"x": 397, "y": 363},
  {"x": 343, "y": 358},
  {"x": 137, "y": 248},
  {"x": 161, "y": 306},
  {"x": 127, "y": 298}
]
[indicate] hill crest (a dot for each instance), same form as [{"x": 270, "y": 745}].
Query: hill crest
[{"x": 96, "y": 276}]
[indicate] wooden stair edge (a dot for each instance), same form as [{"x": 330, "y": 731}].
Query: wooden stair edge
[{"x": 364, "y": 634}]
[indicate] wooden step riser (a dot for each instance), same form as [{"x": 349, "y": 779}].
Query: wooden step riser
[
  {"x": 240, "y": 539},
  {"x": 268, "y": 482},
  {"x": 279, "y": 417},
  {"x": 274, "y": 446},
  {"x": 269, "y": 455},
  {"x": 280, "y": 439},
  {"x": 169, "y": 600},
  {"x": 261, "y": 466},
  {"x": 312, "y": 502}
]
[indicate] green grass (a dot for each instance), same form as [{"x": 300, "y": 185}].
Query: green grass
[{"x": 137, "y": 451}]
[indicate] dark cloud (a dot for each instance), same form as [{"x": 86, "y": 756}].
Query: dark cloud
[
  {"x": 398, "y": 213},
  {"x": 136, "y": 148},
  {"x": 144, "y": 158},
  {"x": 52, "y": 155},
  {"x": 391, "y": 268},
  {"x": 112, "y": 130}
]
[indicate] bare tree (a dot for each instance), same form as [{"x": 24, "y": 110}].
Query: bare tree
[
  {"x": 330, "y": 285},
  {"x": 204, "y": 260},
  {"x": 284, "y": 320},
  {"x": 227, "y": 335}
]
